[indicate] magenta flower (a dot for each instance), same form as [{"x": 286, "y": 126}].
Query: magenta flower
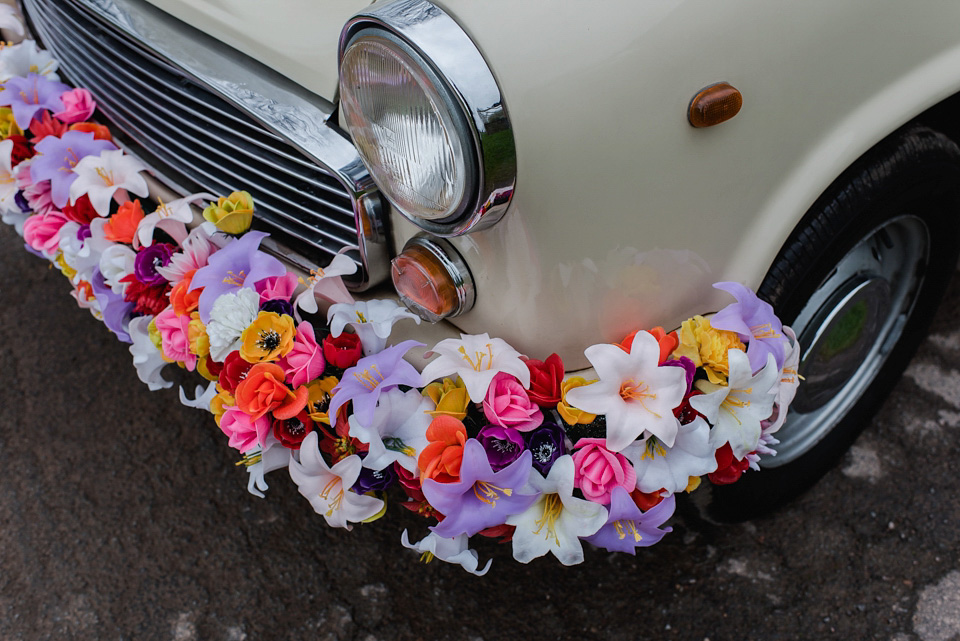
[
  {"x": 597, "y": 470},
  {"x": 27, "y": 96},
  {"x": 239, "y": 264},
  {"x": 481, "y": 498},
  {"x": 78, "y": 105},
  {"x": 754, "y": 322},
  {"x": 175, "y": 337},
  {"x": 56, "y": 158},
  {"x": 371, "y": 376},
  {"x": 507, "y": 404},
  {"x": 245, "y": 434},
  {"x": 277, "y": 287},
  {"x": 305, "y": 361},
  {"x": 42, "y": 231},
  {"x": 628, "y": 528}
]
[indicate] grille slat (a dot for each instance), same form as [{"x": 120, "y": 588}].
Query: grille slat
[{"x": 200, "y": 140}]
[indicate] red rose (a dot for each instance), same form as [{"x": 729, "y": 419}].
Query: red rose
[
  {"x": 21, "y": 150},
  {"x": 291, "y": 432},
  {"x": 545, "y": 379},
  {"x": 82, "y": 212},
  {"x": 147, "y": 300},
  {"x": 343, "y": 351},
  {"x": 234, "y": 370},
  {"x": 729, "y": 469}
]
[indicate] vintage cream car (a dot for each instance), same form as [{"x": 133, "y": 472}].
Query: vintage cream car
[{"x": 558, "y": 174}]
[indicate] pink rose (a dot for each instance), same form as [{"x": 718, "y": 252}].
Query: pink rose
[
  {"x": 42, "y": 231},
  {"x": 245, "y": 433},
  {"x": 78, "y": 105},
  {"x": 305, "y": 361},
  {"x": 508, "y": 405},
  {"x": 597, "y": 470},
  {"x": 37, "y": 195},
  {"x": 175, "y": 337},
  {"x": 275, "y": 287}
]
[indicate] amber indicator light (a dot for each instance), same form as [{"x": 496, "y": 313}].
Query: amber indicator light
[
  {"x": 421, "y": 278},
  {"x": 714, "y": 104}
]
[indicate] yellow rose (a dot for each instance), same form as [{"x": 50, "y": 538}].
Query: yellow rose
[
  {"x": 707, "y": 347},
  {"x": 154, "y": 335},
  {"x": 570, "y": 414},
  {"x": 197, "y": 334},
  {"x": 220, "y": 403},
  {"x": 233, "y": 214},
  {"x": 450, "y": 398},
  {"x": 268, "y": 338},
  {"x": 8, "y": 126}
]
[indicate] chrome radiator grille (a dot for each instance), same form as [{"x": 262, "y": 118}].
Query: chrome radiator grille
[{"x": 193, "y": 138}]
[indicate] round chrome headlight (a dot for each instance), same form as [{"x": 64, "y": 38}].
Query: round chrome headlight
[{"x": 407, "y": 126}]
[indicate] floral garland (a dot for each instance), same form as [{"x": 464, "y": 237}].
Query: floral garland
[{"x": 483, "y": 442}]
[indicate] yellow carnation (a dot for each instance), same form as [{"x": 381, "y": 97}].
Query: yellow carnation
[{"x": 707, "y": 347}]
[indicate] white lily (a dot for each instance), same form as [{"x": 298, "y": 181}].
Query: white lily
[
  {"x": 327, "y": 283},
  {"x": 15, "y": 219},
  {"x": 147, "y": 359},
  {"x": 455, "y": 550},
  {"x": 636, "y": 395},
  {"x": 670, "y": 468},
  {"x": 9, "y": 19},
  {"x": 261, "y": 461},
  {"x": 231, "y": 313},
  {"x": 24, "y": 58},
  {"x": 328, "y": 488},
  {"x": 73, "y": 254},
  {"x": 116, "y": 262},
  {"x": 735, "y": 410},
  {"x": 8, "y": 181},
  {"x": 372, "y": 320},
  {"x": 477, "y": 359},
  {"x": 398, "y": 430},
  {"x": 201, "y": 396},
  {"x": 172, "y": 217},
  {"x": 101, "y": 178},
  {"x": 789, "y": 381},
  {"x": 556, "y": 520}
]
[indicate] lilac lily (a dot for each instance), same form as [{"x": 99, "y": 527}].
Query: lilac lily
[
  {"x": 753, "y": 321},
  {"x": 115, "y": 310},
  {"x": 481, "y": 498},
  {"x": 238, "y": 264},
  {"x": 27, "y": 96},
  {"x": 56, "y": 158},
  {"x": 628, "y": 528},
  {"x": 371, "y": 376}
]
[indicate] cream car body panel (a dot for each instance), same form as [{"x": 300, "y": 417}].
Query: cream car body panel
[{"x": 624, "y": 214}]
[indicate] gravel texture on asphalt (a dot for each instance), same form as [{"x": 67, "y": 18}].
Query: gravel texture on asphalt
[{"x": 124, "y": 517}]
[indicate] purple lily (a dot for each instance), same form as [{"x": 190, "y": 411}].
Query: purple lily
[
  {"x": 753, "y": 321},
  {"x": 481, "y": 498},
  {"x": 628, "y": 528},
  {"x": 239, "y": 264},
  {"x": 115, "y": 310},
  {"x": 56, "y": 158},
  {"x": 371, "y": 376},
  {"x": 27, "y": 96}
]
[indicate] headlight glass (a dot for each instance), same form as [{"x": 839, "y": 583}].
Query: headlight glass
[{"x": 407, "y": 127}]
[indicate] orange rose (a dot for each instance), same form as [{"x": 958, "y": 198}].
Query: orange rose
[
  {"x": 99, "y": 131},
  {"x": 440, "y": 460},
  {"x": 121, "y": 227},
  {"x": 183, "y": 300},
  {"x": 263, "y": 390}
]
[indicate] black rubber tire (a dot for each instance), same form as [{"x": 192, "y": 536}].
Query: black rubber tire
[{"x": 915, "y": 170}]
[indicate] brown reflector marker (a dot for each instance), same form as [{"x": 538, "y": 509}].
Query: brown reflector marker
[{"x": 714, "y": 104}]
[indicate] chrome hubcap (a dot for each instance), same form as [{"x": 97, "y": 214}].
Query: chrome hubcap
[{"x": 848, "y": 327}]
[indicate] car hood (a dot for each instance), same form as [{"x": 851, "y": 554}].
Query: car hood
[{"x": 298, "y": 38}]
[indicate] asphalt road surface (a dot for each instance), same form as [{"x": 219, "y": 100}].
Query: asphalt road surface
[{"x": 124, "y": 517}]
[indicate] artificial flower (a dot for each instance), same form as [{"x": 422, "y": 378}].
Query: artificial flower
[
  {"x": 260, "y": 462},
  {"x": 319, "y": 394},
  {"x": 789, "y": 381},
  {"x": 234, "y": 370},
  {"x": 147, "y": 358},
  {"x": 172, "y": 217},
  {"x": 627, "y": 528},
  {"x": 28, "y": 95},
  {"x": 277, "y": 306},
  {"x": 100, "y": 132},
  {"x": 78, "y": 105},
  {"x": 508, "y": 405},
  {"x": 397, "y": 433},
  {"x": 546, "y": 378},
  {"x": 36, "y": 193},
  {"x": 658, "y": 466},
  {"x": 44, "y": 125},
  {"x": 10, "y": 20},
  {"x": 327, "y": 284},
  {"x": 597, "y": 471},
  {"x": 556, "y": 520},
  {"x": 8, "y": 126},
  {"x": 174, "y": 335},
  {"x": 570, "y": 414},
  {"x": 440, "y": 460},
  {"x": 304, "y": 362},
  {"x": 239, "y": 264},
  {"x": 233, "y": 214},
  {"x": 503, "y": 445},
  {"x": 327, "y": 488},
  {"x": 449, "y": 397},
  {"x": 373, "y": 480},
  {"x": 81, "y": 212},
  {"x": 667, "y": 342},
  {"x": 200, "y": 342},
  {"x": 546, "y": 444},
  {"x": 372, "y": 321},
  {"x": 636, "y": 395},
  {"x": 371, "y": 376},
  {"x": 476, "y": 359},
  {"x": 202, "y": 397},
  {"x": 115, "y": 263},
  {"x": 342, "y": 351},
  {"x": 481, "y": 497},
  {"x": 268, "y": 338},
  {"x": 729, "y": 468},
  {"x": 8, "y": 182},
  {"x": 735, "y": 410},
  {"x": 26, "y": 58},
  {"x": 56, "y": 157},
  {"x": 291, "y": 431},
  {"x": 42, "y": 231},
  {"x": 182, "y": 298},
  {"x": 245, "y": 432},
  {"x": 231, "y": 314},
  {"x": 22, "y": 150},
  {"x": 195, "y": 249},
  {"x": 107, "y": 177},
  {"x": 753, "y": 321},
  {"x": 263, "y": 390},
  {"x": 277, "y": 287},
  {"x": 450, "y": 550},
  {"x": 707, "y": 347},
  {"x": 148, "y": 260},
  {"x": 114, "y": 310}
]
